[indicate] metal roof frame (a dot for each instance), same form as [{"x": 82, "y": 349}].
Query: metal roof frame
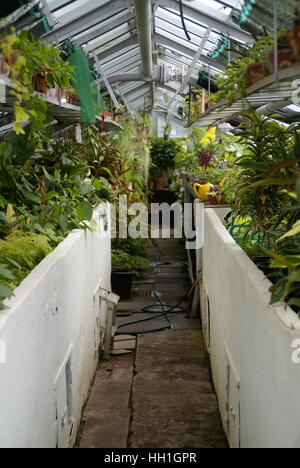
[
  {"x": 272, "y": 93},
  {"x": 109, "y": 31}
]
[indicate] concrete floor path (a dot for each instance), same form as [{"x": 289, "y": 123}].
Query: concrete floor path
[{"x": 160, "y": 395}]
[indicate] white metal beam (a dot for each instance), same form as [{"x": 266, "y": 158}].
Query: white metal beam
[
  {"x": 130, "y": 86},
  {"x": 115, "y": 61},
  {"x": 107, "y": 84},
  {"x": 141, "y": 90},
  {"x": 135, "y": 90},
  {"x": 189, "y": 74},
  {"x": 132, "y": 112},
  {"x": 143, "y": 14},
  {"x": 163, "y": 40},
  {"x": 175, "y": 27}
]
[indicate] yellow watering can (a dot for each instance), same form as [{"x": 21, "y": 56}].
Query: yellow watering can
[{"x": 203, "y": 191}]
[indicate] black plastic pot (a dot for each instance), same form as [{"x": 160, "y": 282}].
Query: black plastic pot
[{"x": 121, "y": 283}]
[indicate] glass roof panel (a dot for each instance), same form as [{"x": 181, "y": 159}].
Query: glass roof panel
[
  {"x": 193, "y": 27},
  {"x": 111, "y": 36}
]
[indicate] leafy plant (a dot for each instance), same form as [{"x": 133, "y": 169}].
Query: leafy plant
[
  {"x": 123, "y": 261},
  {"x": 26, "y": 57},
  {"x": 131, "y": 246},
  {"x": 163, "y": 153},
  {"x": 210, "y": 158},
  {"x": 286, "y": 259},
  {"x": 265, "y": 178},
  {"x": 233, "y": 84}
]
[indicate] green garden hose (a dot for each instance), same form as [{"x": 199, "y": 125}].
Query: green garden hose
[{"x": 165, "y": 311}]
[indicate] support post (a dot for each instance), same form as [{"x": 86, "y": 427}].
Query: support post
[
  {"x": 188, "y": 76},
  {"x": 276, "y": 64},
  {"x": 106, "y": 81}
]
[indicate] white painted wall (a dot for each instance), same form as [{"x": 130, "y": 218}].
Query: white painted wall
[
  {"x": 250, "y": 345},
  {"x": 51, "y": 336}
]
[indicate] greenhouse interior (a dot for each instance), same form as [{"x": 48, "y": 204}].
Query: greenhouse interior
[{"x": 150, "y": 226}]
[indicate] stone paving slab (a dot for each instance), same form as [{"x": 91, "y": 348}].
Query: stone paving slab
[
  {"x": 125, "y": 344},
  {"x": 108, "y": 411},
  {"x": 123, "y": 338},
  {"x": 174, "y": 404}
]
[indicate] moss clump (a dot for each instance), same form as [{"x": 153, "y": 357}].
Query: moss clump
[{"x": 27, "y": 250}]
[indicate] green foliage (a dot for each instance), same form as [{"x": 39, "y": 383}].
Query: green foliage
[
  {"x": 194, "y": 104},
  {"x": 131, "y": 246},
  {"x": 266, "y": 176},
  {"x": 164, "y": 152},
  {"x": 50, "y": 186},
  {"x": 123, "y": 261},
  {"x": 19, "y": 253},
  {"x": 286, "y": 258},
  {"x": 131, "y": 172},
  {"x": 268, "y": 200},
  {"x": 219, "y": 170},
  {"x": 232, "y": 85},
  {"x": 52, "y": 192},
  {"x": 25, "y": 58}
]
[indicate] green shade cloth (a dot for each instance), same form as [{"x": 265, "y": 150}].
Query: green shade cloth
[{"x": 90, "y": 99}]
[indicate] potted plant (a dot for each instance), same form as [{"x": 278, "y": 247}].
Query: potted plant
[
  {"x": 250, "y": 66},
  {"x": 216, "y": 197},
  {"x": 163, "y": 153},
  {"x": 268, "y": 167},
  {"x": 124, "y": 269}
]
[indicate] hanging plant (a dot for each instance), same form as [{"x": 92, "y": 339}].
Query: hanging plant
[{"x": 31, "y": 64}]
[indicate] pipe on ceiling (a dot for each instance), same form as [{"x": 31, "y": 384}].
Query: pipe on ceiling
[{"x": 143, "y": 14}]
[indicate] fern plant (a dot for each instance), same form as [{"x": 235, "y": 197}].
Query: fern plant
[{"x": 266, "y": 174}]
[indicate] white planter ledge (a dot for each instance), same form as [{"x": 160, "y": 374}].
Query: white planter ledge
[
  {"x": 49, "y": 341},
  {"x": 251, "y": 345}
]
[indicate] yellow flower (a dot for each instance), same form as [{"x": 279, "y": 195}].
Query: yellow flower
[{"x": 210, "y": 136}]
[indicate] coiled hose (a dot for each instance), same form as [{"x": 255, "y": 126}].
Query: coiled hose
[{"x": 165, "y": 311}]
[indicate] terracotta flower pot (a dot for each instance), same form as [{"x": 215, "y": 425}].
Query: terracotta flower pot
[
  {"x": 212, "y": 200},
  {"x": 295, "y": 42},
  {"x": 248, "y": 79},
  {"x": 4, "y": 68},
  {"x": 40, "y": 84},
  {"x": 257, "y": 72}
]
